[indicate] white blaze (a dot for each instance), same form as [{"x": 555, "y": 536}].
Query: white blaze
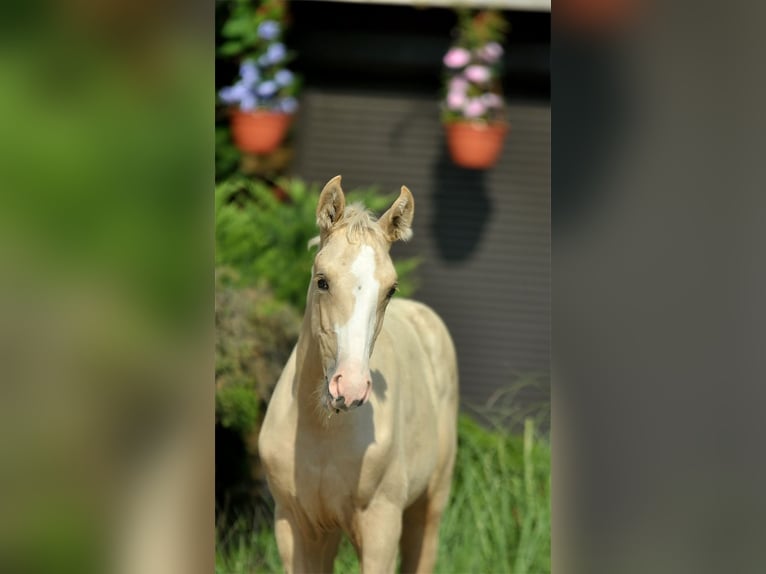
[{"x": 355, "y": 337}]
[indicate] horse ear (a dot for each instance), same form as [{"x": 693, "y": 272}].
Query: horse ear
[
  {"x": 396, "y": 222},
  {"x": 330, "y": 206}
]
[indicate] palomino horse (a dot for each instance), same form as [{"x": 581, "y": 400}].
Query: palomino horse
[{"x": 358, "y": 441}]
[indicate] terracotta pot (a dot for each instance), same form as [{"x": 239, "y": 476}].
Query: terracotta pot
[
  {"x": 474, "y": 144},
  {"x": 597, "y": 15},
  {"x": 259, "y": 131}
]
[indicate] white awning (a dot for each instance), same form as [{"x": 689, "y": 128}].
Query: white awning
[{"x": 529, "y": 5}]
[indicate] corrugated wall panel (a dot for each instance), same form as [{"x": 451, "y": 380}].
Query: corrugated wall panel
[{"x": 484, "y": 237}]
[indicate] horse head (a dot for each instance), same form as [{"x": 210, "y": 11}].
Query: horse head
[{"x": 353, "y": 279}]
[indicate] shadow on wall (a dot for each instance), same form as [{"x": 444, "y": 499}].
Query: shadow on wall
[{"x": 461, "y": 208}]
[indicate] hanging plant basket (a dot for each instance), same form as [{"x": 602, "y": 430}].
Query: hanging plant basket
[
  {"x": 259, "y": 131},
  {"x": 475, "y": 145}
]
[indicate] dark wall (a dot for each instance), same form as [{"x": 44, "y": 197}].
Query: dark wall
[
  {"x": 370, "y": 112},
  {"x": 383, "y": 47}
]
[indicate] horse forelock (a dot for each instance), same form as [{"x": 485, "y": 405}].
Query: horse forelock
[{"x": 358, "y": 223}]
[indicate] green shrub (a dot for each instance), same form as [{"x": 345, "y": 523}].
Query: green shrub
[
  {"x": 255, "y": 334},
  {"x": 226, "y": 154},
  {"x": 265, "y": 238},
  {"x": 238, "y": 407}
]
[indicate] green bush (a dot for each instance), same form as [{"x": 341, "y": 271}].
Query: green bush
[
  {"x": 238, "y": 407},
  {"x": 226, "y": 154},
  {"x": 263, "y": 231},
  {"x": 255, "y": 334}
]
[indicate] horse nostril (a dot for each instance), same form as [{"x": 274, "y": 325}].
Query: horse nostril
[
  {"x": 356, "y": 403},
  {"x": 334, "y": 386},
  {"x": 340, "y": 400}
]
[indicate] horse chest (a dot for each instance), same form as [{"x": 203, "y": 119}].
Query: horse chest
[
  {"x": 323, "y": 492},
  {"x": 335, "y": 476}
]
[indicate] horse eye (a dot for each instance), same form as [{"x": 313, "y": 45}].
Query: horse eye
[
  {"x": 323, "y": 285},
  {"x": 391, "y": 292}
]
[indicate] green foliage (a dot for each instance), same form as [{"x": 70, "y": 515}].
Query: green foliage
[
  {"x": 237, "y": 407},
  {"x": 498, "y": 519},
  {"x": 240, "y": 29},
  {"x": 499, "y": 514},
  {"x": 255, "y": 334},
  {"x": 226, "y": 154},
  {"x": 266, "y": 238},
  {"x": 476, "y": 28}
]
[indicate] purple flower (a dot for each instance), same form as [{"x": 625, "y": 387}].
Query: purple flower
[
  {"x": 233, "y": 94},
  {"x": 288, "y": 105},
  {"x": 268, "y": 30},
  {"x": 457, "y": 58},
  {"x": 274, "y": 54},
  {"x": 491, "y": 52},
  {"x": 248, "y": 102},
  {"x": 267, "y": 89},
  {"x": 477, "y": 74},
  {"x": 284, "y": 77},
  {"x": 228, "y": 95},
  {"x": 474, "y": 108},
  {"x": 249, "y": 72}
]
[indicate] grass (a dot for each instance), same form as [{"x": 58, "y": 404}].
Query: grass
[{"x": 498, "y": 519}]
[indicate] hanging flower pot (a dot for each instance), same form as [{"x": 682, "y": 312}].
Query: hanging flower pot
[
  {"x": 597, "y": 16},
  {"x": 259, "y": 131},
  {"x": 262, "y": 100},
  {"x": 473, "y": 111},
  {"x": 475, "y": 145}
]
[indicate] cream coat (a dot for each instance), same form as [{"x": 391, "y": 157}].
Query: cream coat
[{"x": 379, "y": 472}]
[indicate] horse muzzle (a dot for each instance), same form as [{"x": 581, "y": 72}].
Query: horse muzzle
[{"x": 348, "y": 389}]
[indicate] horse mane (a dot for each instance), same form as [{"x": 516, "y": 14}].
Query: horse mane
[{"x": 358, "y": 222}]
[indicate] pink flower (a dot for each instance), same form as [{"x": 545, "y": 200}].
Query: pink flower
[
  {"x": 455, "y": 100},
  {"x": 457, "y": 58},
  {"x": 491, "y": 52},
  {"x": 492, "y": 101},
  {"x": 474, "y": 108},
  {"x": 458, "y": 84},
  {"x": 477, "y": 74}
]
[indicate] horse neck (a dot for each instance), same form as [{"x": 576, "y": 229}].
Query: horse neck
[{"x": 308, "y": 375}]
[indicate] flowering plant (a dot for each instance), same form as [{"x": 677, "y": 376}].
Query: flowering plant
[
  {"x": 473, "y": 68},
  {"x": 255, "y": 35}
]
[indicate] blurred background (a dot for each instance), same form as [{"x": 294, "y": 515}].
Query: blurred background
[
  {"x": 113, "y": 187},
  {"x": 364, "y": 85}
]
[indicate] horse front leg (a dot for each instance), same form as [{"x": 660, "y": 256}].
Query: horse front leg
[
  {"x": 420, "y": 535},
  {"x": 379, "y": 527},
  {"x": 301, "y": 553}
]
